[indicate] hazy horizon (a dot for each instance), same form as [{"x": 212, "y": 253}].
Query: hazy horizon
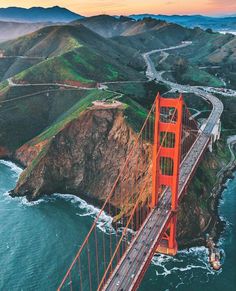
[{"x": 126, "y": 7}]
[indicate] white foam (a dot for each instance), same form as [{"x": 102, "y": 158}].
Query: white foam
[
  {"x": 17, "y": 170},
  {"x": 7, "y": 197},
  {"x": 128, "y": 231},
  {"x": 25, "y": 202},
  {"x": 184, "y": 265},
  {"x": 22, "y": 200},
  {"x": 104, "y": 222}
]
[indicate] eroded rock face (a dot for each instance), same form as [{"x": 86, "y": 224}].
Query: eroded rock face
[
  {"x": 85, "y": 158},
  {"x": 27, "y": 153}
]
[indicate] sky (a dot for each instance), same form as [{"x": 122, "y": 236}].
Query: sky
[{"x": 126, "y": 7}]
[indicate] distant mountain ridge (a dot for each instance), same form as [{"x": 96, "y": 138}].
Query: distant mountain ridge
[
  {"x": 38, "y": 14},
  {"x": 60, "y": 14},
  {"x": 215, "y": 23},
  {"x": 11, "y": 30}
]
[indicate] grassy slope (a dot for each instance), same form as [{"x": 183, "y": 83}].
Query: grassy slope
[
  {"x": 226, "y": 53},
  {"x": 68, "y": 41},
  {"x": 192, "y": 75},
  {"x": 204, "y": 46},
  {"x": 71, "y": 114},
  {"x": 195, "y": 76},
  {"x": 83, "y": 64},
  {"x": 64, "y": 119},
  {"x": 105, "y": 25},
  {"x": 46, "y": 42},
  {"x": 32, "y": 114},
  {"x": 168, "y": 35}
]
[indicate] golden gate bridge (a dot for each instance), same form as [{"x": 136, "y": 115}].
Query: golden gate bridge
[{"x": 144, "y": 199}]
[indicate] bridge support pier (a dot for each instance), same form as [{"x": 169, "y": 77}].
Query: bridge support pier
[
  {"x": 168, "y": 245},
  {"x": 166, "y": 164}
]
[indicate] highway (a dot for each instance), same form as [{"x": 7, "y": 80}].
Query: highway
[{"x": 129, "y": 272}]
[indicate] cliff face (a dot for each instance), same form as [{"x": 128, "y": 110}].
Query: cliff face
[
  {"x": 27, "y": 153},
  {"x": 84, "y": 158}
]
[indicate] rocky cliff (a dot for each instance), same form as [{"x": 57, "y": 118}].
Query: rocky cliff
[{"x": 84, "y": 158}]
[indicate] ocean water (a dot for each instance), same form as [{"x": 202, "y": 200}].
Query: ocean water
[{"x": 39, "y": 240}]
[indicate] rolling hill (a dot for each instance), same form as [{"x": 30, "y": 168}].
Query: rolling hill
[
  {"x": 79, "y": 50},
  {"x": 148, "y": 35},
  {"x": 105, "y": 25},
  {"x": 191, "y": 21},
  {"x": 51, "y": 42},
  {"x": 38, "y": 14},
  {"x": 225, "y": 53},
  {"x": 12, "y": 30},
  {"x": 110, "y": 27}
]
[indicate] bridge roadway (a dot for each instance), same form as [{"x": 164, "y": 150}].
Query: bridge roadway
[{"x": 129, "y": 272}]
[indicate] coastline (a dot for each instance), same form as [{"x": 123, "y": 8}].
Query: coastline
[{"x": 215, "y": 225}]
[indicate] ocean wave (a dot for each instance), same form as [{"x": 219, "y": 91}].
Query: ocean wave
[
  {"x": 25, "y": 202},
  {"x": 187, "y": 265},
  {"x": 104, "y": 222},
  {"x": 22, "y": 200},
  {"x": 17, "y": 170},
  {"x": 7, "y": 197}
]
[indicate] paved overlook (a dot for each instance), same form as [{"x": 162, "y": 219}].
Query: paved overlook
[{"x": 130, "y": 270}]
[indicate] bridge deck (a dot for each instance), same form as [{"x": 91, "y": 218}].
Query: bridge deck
[{"x": 131, "y": 269}]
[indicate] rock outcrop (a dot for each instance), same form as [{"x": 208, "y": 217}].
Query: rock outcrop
[{"x": 84, "y": 158}]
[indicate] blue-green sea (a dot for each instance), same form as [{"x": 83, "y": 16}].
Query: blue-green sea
[{"x": 39, "y": 240}]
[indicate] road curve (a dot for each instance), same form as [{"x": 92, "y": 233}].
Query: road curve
[{"x": 131, "y": 269}]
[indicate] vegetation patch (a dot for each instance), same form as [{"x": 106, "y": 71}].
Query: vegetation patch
[{"x": 71, "y": 114}]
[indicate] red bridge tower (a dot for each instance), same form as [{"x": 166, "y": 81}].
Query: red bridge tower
[{"x": 166, "y": 162}]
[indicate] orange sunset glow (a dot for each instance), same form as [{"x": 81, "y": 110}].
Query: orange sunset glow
[{"x": 125, "y": 7}]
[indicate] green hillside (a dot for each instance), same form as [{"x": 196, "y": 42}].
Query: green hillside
[
  {"x": 206, "y": 44},
  {"x": 72, "y": 113},
  {"x": 105, "y": 25},
  {"x": 82, "y": 64},
  {"x": 159, "y": 36},
  {"x": 31, "y": 114},
  {"x": 54, "y": 41},
  {"x": 46, "y": 42}
]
